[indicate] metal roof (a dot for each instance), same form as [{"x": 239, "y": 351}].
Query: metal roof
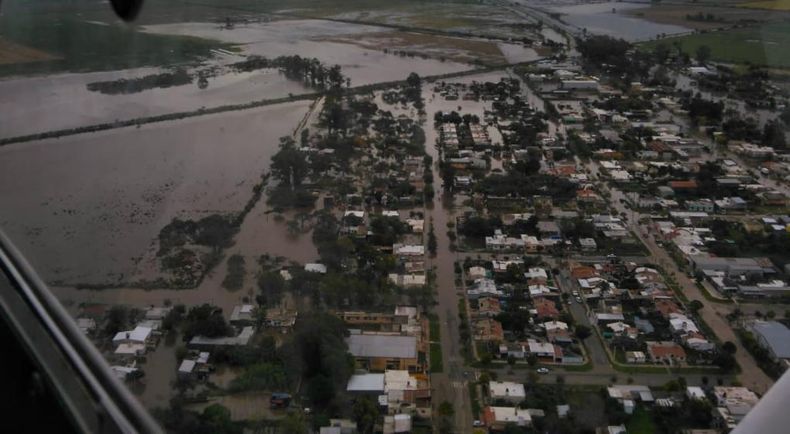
[
  {"x": 775, "y": 335},
  {"x": 370, "y": 345}
]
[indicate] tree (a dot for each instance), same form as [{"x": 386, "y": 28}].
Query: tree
[
  {"x": 289, "y": 165},
  {"x": 774, "y": 135},
  {"x": 205, "y": 320},
  {"x": 662, "y": 53},
  {"x": 432, "y": 241},
  {"x": 366, "y": 414},
  {"x": 294, "y": 423},
  {"x": 703, "y": 54},
  {"x": 695, "y": 306},
  {"x": 446, "y": 409},
  {"x": 583, "y": 332},
  {"x": 729, "y": 347},
  {"x": 117, "y": 320}
]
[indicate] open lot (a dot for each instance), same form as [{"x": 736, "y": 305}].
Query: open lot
[{"x": 764, "y": 45}]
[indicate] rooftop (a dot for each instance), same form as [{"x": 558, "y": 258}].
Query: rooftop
[{"x": 374, "y": 345}]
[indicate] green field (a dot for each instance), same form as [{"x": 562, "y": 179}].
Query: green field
[
  {"x": 640, "y": 422},
  {"x": 766, "y": 45},
  {"x": 437, "y": 361},
  {"x": 79, "y": 46},
  {"x": 777, "y": 5}
]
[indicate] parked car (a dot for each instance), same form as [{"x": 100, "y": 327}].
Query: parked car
[{"x": 542, "y": 370}]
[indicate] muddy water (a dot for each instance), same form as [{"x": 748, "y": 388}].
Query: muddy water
[
  {"x": 88, "y": 208},
  {"x": 598, "y": 18},
  {"x": 37, "y": 104},
  {"x": 308, "y": 38}
]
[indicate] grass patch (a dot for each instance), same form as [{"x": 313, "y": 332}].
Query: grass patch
[
  {"x": 640, "y": 422},
  {"x": 434, "y": 325},
  {"x": 708, "y": 296},
  {"x": 234, "y": 280},
  {"x": 764, "y": 45},
  {"x": 475, "y": 400},
  {"x": 437, "y": 360},
  {"x": 774, "y": 5}
]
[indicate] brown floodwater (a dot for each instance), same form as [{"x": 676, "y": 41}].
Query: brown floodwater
[{"x": 88, "y": 208}]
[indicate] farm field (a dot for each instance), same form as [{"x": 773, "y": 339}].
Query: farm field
[
  {"x": 775, "y": 5},
  {"x": 762, "y": 45},
  {"x": 77, "y": 46}
]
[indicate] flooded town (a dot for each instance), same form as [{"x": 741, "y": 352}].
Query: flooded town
[{"x": 314, "y": 216}]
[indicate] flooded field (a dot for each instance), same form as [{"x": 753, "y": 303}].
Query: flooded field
[
  {"x": 314, "y": 38},
  {"x": 39, "y": 104},
  {"x": 95, "y": 216},
  {"x": 612, "y": 19},
  {"x": 45, "y": 103}
]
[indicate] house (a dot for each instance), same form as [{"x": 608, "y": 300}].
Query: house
[
  {"x": 666, "y": 307},
  {"x": 635, "y": 357},
  {"x": 281, "y": 318},
  {"x": 732, "y": 267},
  {"x": 542, "y": 350},
  {"x": 666, "y": 352},
  {"x": 403, "y": 387},
  {"x": 315, "y": 268},
  {"x": 407, "y": 280},
  {"x": 488, "y": 329},
  {"x": 507, "y": 391},
  {"x": 140, "y": 335},
  {"x": 488, "y": 306},
  {"x": 339, "y": 426},
  {"x": 497, "y": 418},
  {"x": 546, "y": 309},
  {"x": 681, "y": 324},
  {"x": 695, "y": 393},
  {"x": 408, "y": 250},
  {"x": 483, "y": 288},
  {"x": 242, "y": 314},
  {"x": 701, "y": 205},
  {"x": 379, "y": 351},
  {"x": 774, "y": 337},
  {"x": 243, "y": 338},
  {"x": 197, "y": 367},
  {"x": 476, "y": 273},
  {"x": 86, "y": 325},
  {"x": 548, "y": 229},
  {"x": 536, "y": 273},
  {"x": 588, "y": 244},
  {"x": 499, "y": 241},
  {"x": 397, "y": 423},
  {"x": 732, "y": 405},
  {"x": 630, "y": 391}
]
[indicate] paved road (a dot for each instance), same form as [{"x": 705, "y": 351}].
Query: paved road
[{"x": 450, "y": 385}]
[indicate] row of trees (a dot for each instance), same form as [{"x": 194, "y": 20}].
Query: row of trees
[{"x": 308, "y": 70}]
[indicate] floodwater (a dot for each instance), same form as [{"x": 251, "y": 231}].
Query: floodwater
[
  {"x": 308, "y": 38},
  {"x": 762, "y": 116},
  {"x": 88, "y": 208},
  {"x": 552, "y": 35},
  {"x": 598, "y": 18},
  {"x": 45, "y": 103}
]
